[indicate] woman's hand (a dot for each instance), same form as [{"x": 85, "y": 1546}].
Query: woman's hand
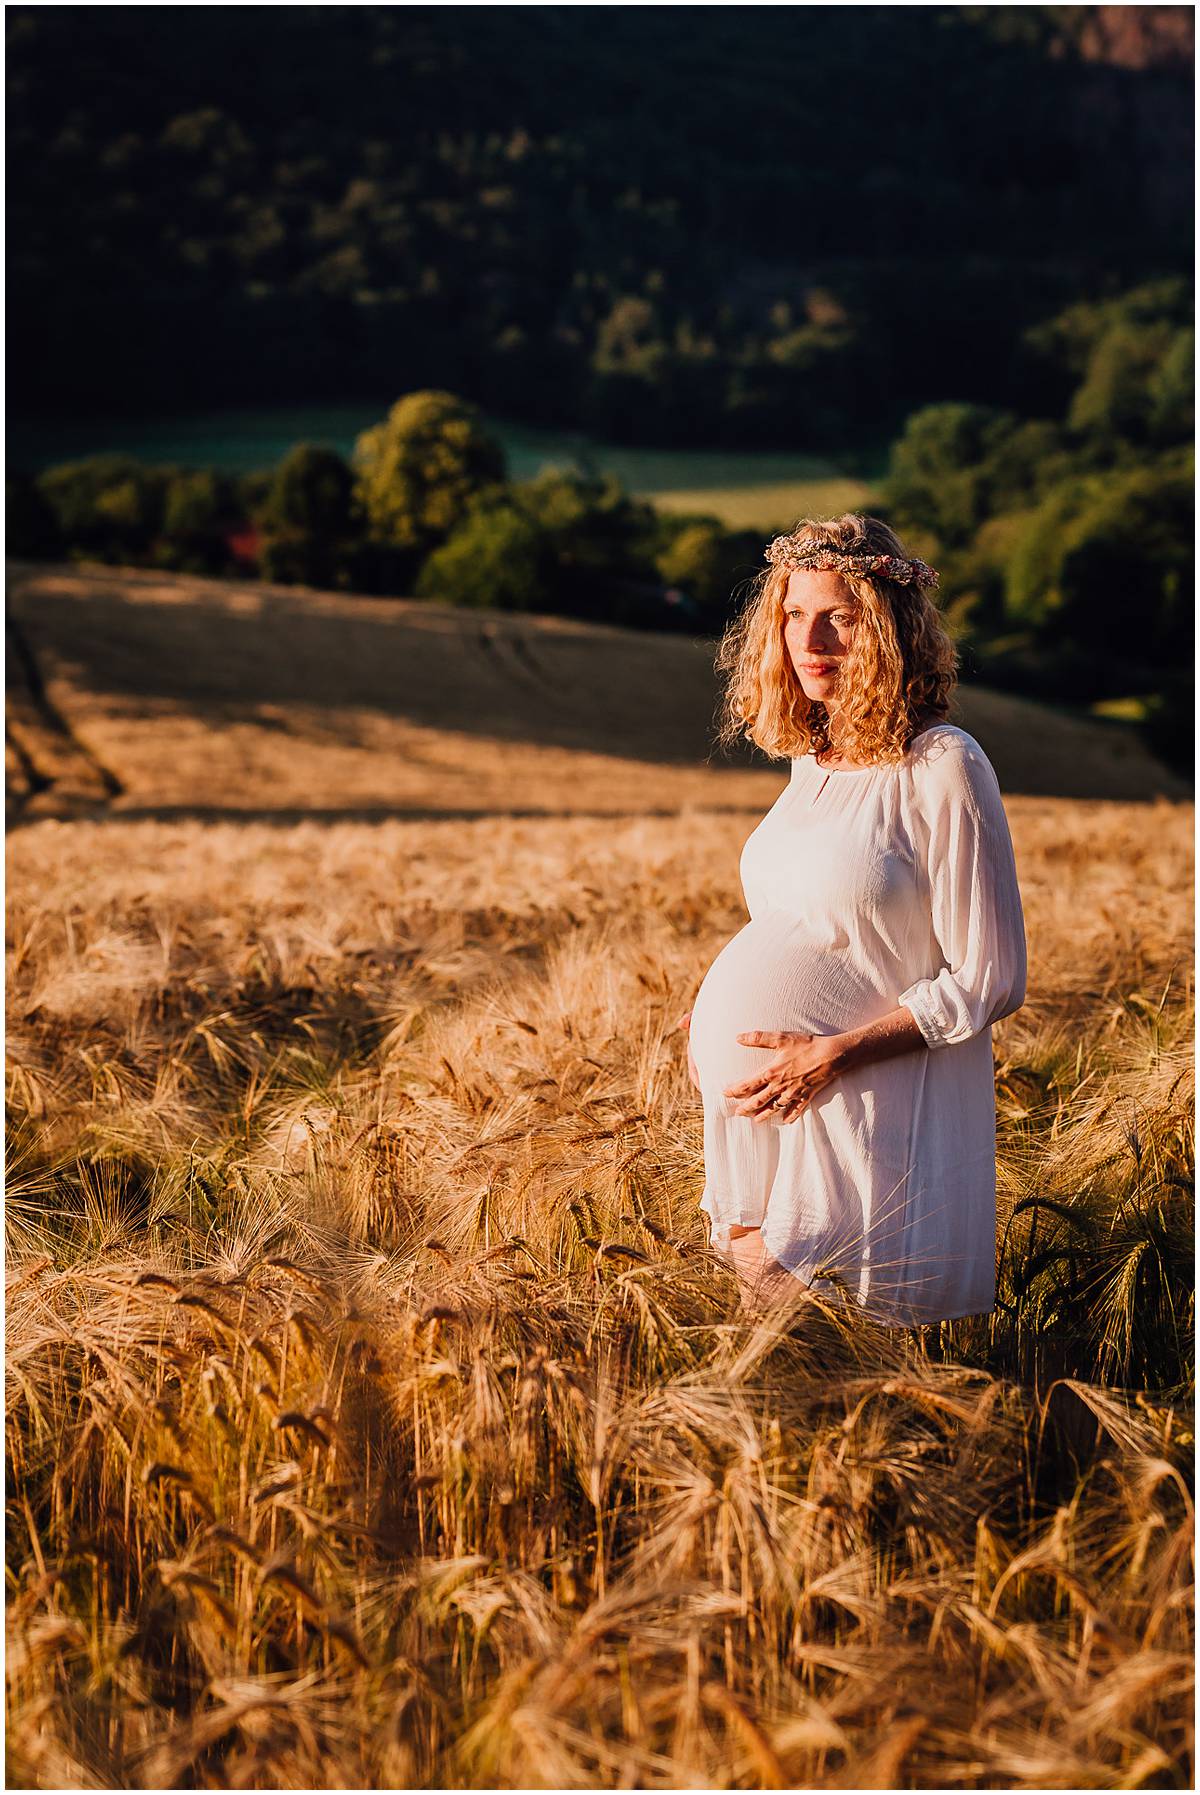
[
  {"x": 685, "y": 1023},
  {"x": 802, "y": 1066},
  {"x": 805, "y": 1064}
]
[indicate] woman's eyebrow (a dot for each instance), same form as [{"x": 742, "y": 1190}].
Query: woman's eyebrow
[{"x": 841, "y": 604}]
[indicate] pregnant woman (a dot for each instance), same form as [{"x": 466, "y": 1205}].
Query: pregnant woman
[{"x": 841, "y": 1041}]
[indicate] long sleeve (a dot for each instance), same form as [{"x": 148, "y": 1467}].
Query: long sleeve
[{"x": 977, "y": 915}]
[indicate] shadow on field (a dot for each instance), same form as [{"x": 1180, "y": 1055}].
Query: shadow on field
[
  {"x": 227, "y": 652},
  {"x": 136, "y": 647}
]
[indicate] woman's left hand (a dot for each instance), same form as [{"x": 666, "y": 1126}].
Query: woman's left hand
[{"x": 802, "y": 1066}]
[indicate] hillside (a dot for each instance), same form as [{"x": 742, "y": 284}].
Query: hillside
[{"x": 163, "y": 696}]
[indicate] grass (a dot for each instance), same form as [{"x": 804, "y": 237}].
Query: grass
[
  {"x": 768, "y": 504},
  {"x": 379, "y": 1417}
]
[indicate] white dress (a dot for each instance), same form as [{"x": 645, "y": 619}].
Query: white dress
[{"x": 868, "y": 888}]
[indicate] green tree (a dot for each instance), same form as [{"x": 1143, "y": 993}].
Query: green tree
[
  {"x": 310, "y": 520},
  {"x": 418, "y": 471},
  {"x": 107, "y": 507},
  {"x": 630, "y": 340},
  {"x": 695, "y": 560},
  {"x": 1172, "y": 391},
  {"x": 1116, "y": 397},
  {"x": 709, "y": 563},
  {"x": 200, "y": 511},
  {"x": 599, "y": 541},
  {"x": 495, "y": 559},
  {"x": 1109, "y": 561},
  {"x": 938, "y": 477},
  {"x": 1124, "y": 364}
]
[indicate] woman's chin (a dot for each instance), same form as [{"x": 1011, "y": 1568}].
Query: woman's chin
[{"x": 817, "y": 691}]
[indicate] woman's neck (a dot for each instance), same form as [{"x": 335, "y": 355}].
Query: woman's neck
[
  {"x": 832, "y": 760},
  {"x": 831, "y": 757}
]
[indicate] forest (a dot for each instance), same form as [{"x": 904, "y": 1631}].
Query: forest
[{"x": 773, "y": 225}]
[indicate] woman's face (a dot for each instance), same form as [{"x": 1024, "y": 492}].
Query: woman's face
[{"x": 819, "y": 612}]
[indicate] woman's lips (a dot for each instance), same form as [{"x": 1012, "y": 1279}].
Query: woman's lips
[{"x": 818, "y": 666}]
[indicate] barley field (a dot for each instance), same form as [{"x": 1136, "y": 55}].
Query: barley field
[{"x": 377, "y": 1413}]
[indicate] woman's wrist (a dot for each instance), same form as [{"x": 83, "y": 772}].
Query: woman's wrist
[
  {"x": 847, "y": 1050},
  {"x": 897, "y": 1032}
]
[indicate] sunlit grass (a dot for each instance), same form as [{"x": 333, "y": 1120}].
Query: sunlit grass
[{"x": 773, "y": 504}]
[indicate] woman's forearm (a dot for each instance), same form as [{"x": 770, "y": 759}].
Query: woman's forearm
[
  {"x": 804, "y": 1064},
  {"x": 897, "y": 1032}
]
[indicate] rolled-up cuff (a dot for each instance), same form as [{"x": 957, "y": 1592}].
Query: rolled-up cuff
[{"x": 928, "y": 1018}]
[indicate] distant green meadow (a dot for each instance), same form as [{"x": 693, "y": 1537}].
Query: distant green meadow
[{"x": 744, "y": 489}]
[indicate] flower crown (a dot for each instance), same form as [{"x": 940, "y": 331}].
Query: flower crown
[{"x": 790, "y": 551}]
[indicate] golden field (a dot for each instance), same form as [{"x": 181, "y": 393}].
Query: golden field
[{"x": 377, "y": 1413}]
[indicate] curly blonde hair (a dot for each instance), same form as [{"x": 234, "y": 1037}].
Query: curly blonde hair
[{"x": 896, "y": 678}]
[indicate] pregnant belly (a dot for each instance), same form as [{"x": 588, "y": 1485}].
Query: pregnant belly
[{"x": 773, "y": 975}]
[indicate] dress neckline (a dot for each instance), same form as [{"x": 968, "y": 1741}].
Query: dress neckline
[{"x": 840, "y": 772}]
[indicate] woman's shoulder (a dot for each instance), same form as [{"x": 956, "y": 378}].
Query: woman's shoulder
[
  {"x": 938, "y": 739},
  {"x": 947, "y": 761}
]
